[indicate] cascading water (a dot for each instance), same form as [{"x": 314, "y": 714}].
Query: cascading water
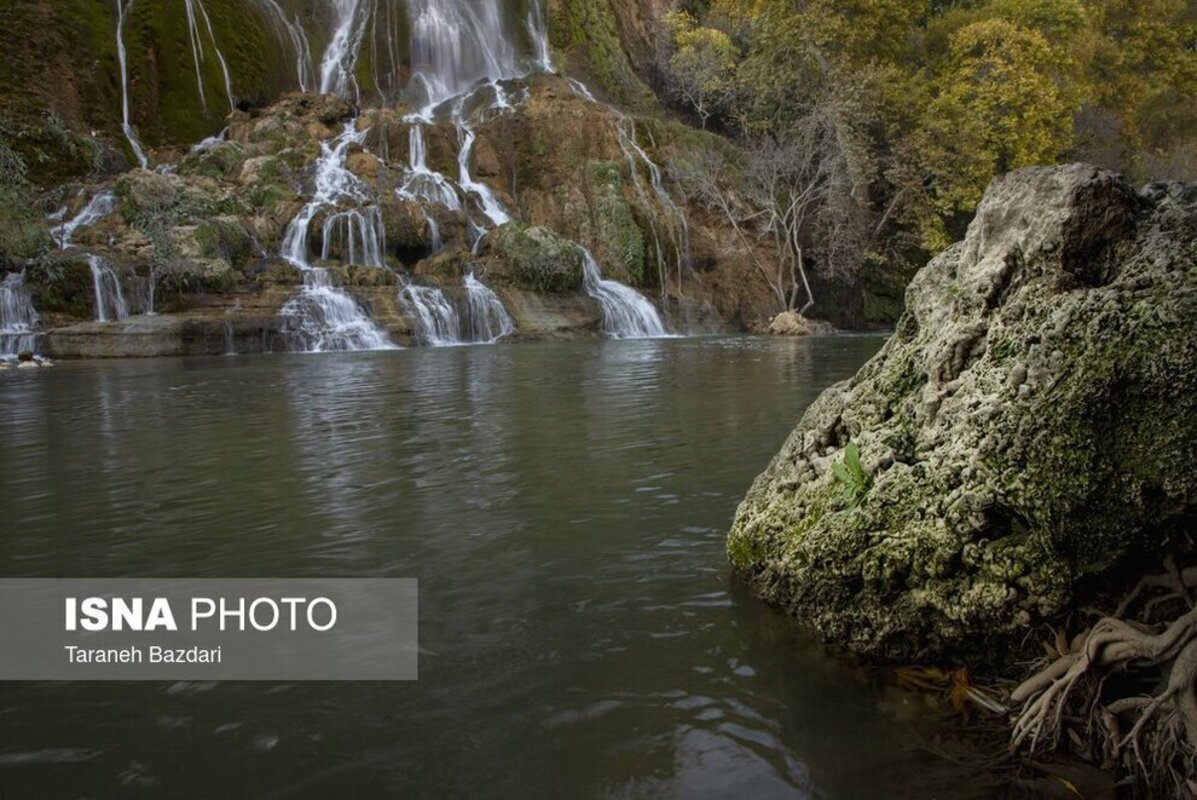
[
  {"x": 18, "y": 319},
  {"x": 539, "y": 30},
  {"x": 625, "y": 128},
  {"x": 322, "y": 317},
  {"x": 627, "y": 314},
  {"x": 196, "y": 13},
  {"x": 627, "y": 138},
  {"x": 491, "y": 207},
  {"x": 455, "y": 44},
  {"x": 292, "y": 30},
  {"x": 423, "y": 184},
  {"x": 100, "y": 206},
  {"x": 339, "y": 65},
  {"x": 488, "y": 318},
  {"x": 356, "y": 236},
  {"x": 110, "y": 299},
  {"x": 122, "y": 10},
  {"x": 435, "y": 317}
]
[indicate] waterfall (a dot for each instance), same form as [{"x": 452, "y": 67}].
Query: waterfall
[
  {"x": 322, "y": 317},
  {"x": 294, "y": 32},
  {"x": 627, "y": 314},
  {"x": 110, "y": 300},
  {"x": 18, "y": 318},
  {"x": 422, "y": 183},
  {"x": 100, "y": 206},
  {"x": 491, "y": 207},
  {"x": 539, "y": 29},
  {"x": 627, "y": 139},
  {"x": 581, "y": 90},
  {"x": 436, "y": 319},
  {"x": 334, "y": 185},
  {"x": 455, "y": 44},
  {"x": 488, "y": 319},
  {"x": 339, "y": 65},
  {"x": 625, "y": 128},
  {"x": 197, "y": 50},
  {"x": 122, "y": 9},
  {"x": 434, "y": 233},
  {"x": 356, "y": 236}
]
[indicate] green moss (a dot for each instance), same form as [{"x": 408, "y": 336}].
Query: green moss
[
  {"x": 62, "y": 284},
  {"x": 221, "y": 162},
  {"x": 615, "y": 227},
  {"x": 539, "y": 260},
  {"x": 226, "y": 239},
  {"x": 591, "y": 26}
]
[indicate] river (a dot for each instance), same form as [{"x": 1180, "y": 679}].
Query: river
[{"x": 563, "y": 506}]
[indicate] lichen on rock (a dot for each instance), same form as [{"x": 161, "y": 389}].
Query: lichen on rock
[{"x": 1030, "y": 425}]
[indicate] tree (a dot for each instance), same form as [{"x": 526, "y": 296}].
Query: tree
[
  {"x": 998, "y": 105},
  {"x": 790, "y": 193},
  {"x": 702, "y": 67}
]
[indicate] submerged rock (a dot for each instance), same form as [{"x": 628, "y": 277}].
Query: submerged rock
[{"x": 1025, "y": 438}]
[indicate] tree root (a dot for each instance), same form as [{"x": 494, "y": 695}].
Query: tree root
[{"x": 1124, "y": 673}]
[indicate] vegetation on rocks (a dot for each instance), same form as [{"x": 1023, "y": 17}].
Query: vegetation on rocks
[{"x": 1017, "y": 452}]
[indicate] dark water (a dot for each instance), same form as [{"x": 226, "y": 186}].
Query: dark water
[{"x": 564, "y": 508}]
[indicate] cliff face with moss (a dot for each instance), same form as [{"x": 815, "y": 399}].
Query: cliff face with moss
[
  {"x": 61, "y": 60},
  {"x": 1021, "y": 445}
]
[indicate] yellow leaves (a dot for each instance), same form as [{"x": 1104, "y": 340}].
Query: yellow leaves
[{"x": 955, "y": 686}]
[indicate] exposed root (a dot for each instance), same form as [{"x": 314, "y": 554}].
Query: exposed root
[{"x": 1123, "y": 693}]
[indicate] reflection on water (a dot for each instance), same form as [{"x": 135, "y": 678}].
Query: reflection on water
[{"x": 564, "y": 508}]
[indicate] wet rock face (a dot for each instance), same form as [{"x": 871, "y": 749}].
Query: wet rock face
[{"x": 1027, "y": 432}]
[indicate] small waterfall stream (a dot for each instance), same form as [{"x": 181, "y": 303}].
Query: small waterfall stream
[
  {"x": 490, "y": 205},
  {"x": 122, "y": 10},
  {"x": 627, "y": 314},
  {"x": 625, "y": 128},
  {"x": 424, "y": 184},
  {"x": 195, "y": 14},
  {"x": 110, "y": 299},
  {"x": 339, "y": 65},
  {"x": 18, "y": 319},
  {"x": 100, "y": 206},
  {"x": 488, "y": 318},
  {"x": 322, "y": 317},
  {"x": 436, "y": 319},
  {"x": 290, "y": 30}
]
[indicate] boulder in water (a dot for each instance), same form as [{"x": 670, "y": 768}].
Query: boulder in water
[
  {"x": 1023, "y": 442},
  {"x": 791, "y": 323}
]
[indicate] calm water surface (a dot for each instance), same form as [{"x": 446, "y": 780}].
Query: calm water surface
[{"x": 564, "y": 507}]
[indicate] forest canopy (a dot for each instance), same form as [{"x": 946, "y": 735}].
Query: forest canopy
[{"x": 914, "y": 107}]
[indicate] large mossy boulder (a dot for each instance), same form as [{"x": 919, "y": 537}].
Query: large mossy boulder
[
  {"x": 536, "y": 258},
  {"x": 1022, "y": 444}
]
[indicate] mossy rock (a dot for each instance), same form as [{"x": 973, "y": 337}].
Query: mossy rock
[
  {"x": 616, "y": 232},
  {"x": 1026, "y": 435},
  {"x": 62, "y": 284},
  {"x": 537, "y": 259},
  {"x": 222, "y": 162},
  {"x": 224, "y": 238},
  {"x": 24, "y": 233}
]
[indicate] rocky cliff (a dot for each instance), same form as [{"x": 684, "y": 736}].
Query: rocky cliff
[{"x": 1021, "y": 446}]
